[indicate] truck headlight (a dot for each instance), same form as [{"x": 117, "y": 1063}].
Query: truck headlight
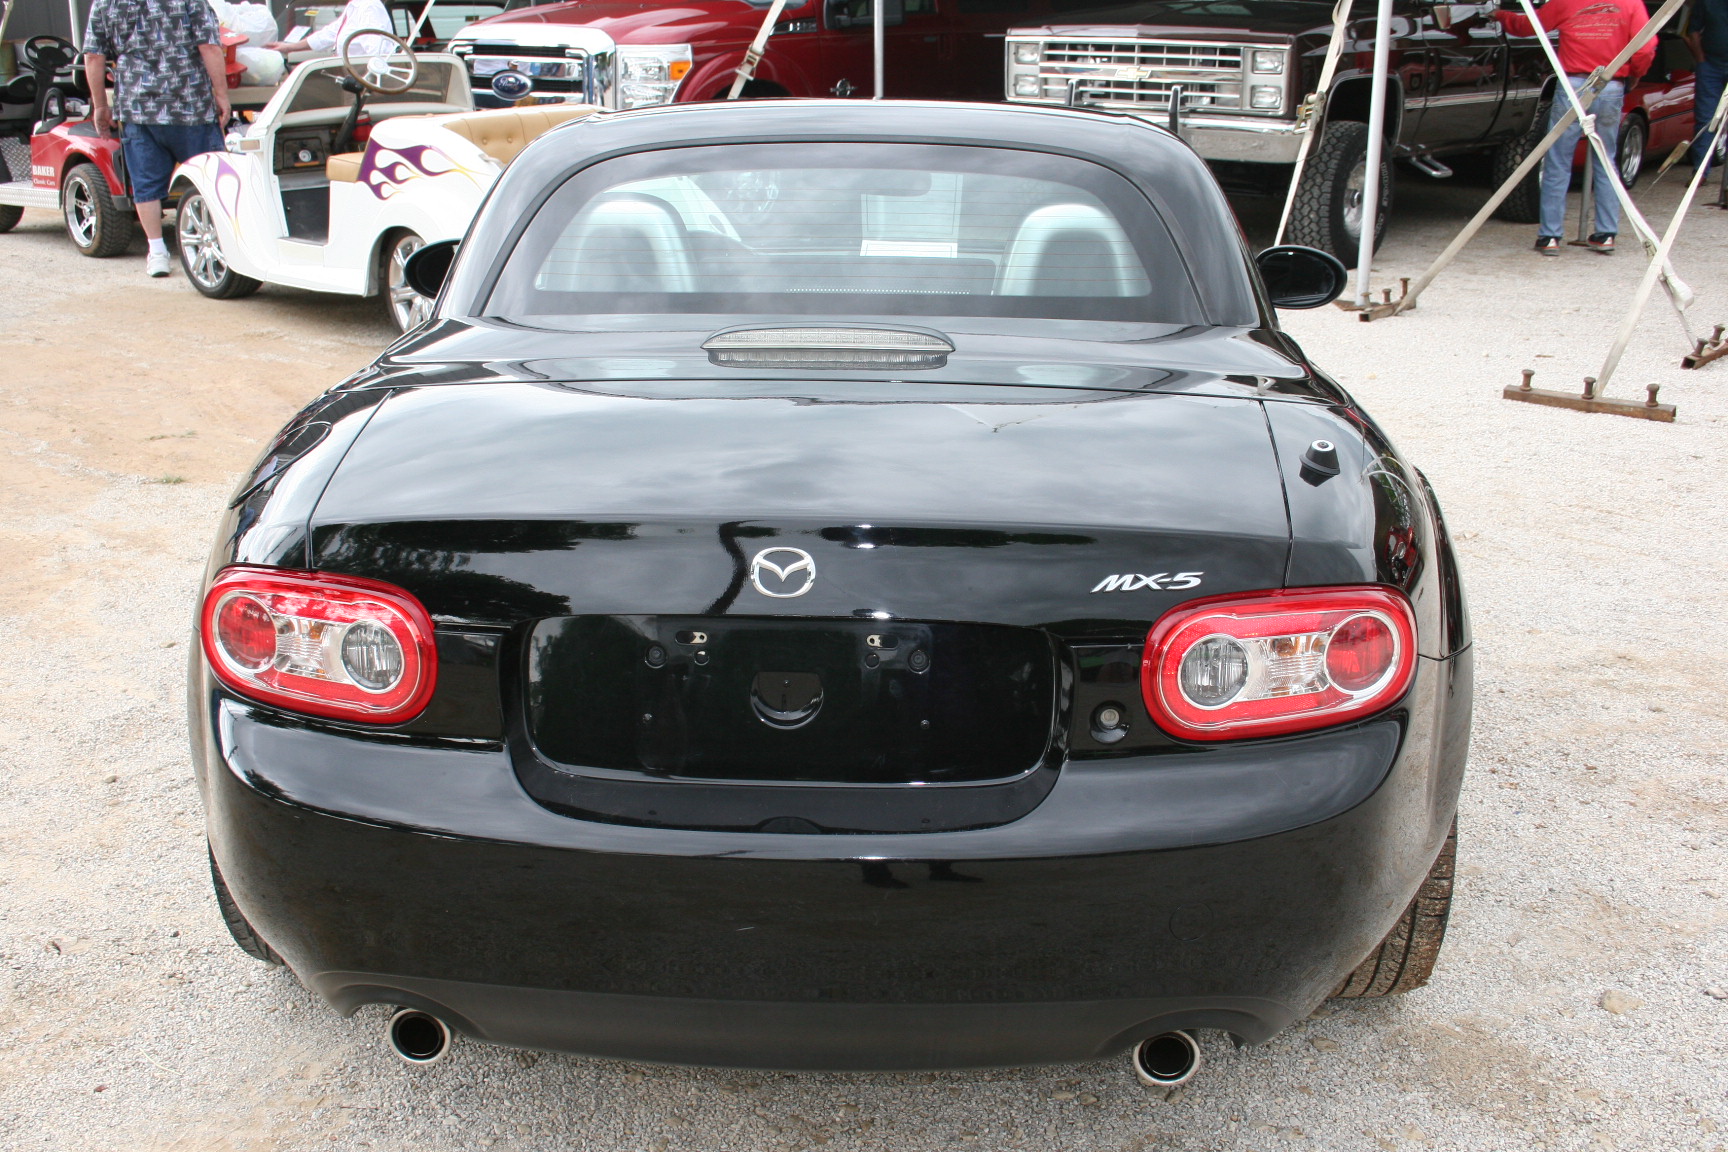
[
  {"x": 651, "y": 73},
  {"x": 1268, "y": 62},
  {"x": 1025, "y": 53},
  {"x": 1027, "y": 86},
  {"x": 1265, "y": 98}
]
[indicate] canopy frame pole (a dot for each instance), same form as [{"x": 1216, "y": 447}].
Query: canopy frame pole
[
  {"x": 878, "y": 39},
  {"x": 1594, "y": 86},
  {"x": 1376, "y": 150}
]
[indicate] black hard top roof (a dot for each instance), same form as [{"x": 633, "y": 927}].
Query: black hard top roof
[{"x": 1165, "y": 169}]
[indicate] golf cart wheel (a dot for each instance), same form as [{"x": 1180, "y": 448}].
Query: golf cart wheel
[
  {"x": 1405, "y": 959},
  {"x": 201, "y": 252},
  {"x": 10, "y": 214},
  {"x": 1329, "y": 203},
  {"x": 1629, "y": 149},
  {"x": 1524, "y": 204},
  {"x": 96, "y": 226},
  {"x": 408, "y": 309},
  {"x": 238, "y": 926}
]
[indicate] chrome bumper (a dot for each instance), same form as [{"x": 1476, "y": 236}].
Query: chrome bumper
[{"x": 1222, "y": 138}]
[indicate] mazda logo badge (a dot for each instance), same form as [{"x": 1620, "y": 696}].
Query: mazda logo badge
[{"x": 782, "y": 572}]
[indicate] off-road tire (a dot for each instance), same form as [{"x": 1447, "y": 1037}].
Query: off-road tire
[
  {"x": 10, "y": 214},
  {"x": 1632, "y": 127},
  {"x": 1524, "y": 204},
  {"x": 96, "y": 226},
  {"x": 1317, "y": 217},
  {"x": 244, "y": 934},
  {"x": 1405, "y": 959}
]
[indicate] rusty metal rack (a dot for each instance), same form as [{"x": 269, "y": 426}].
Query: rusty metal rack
[{"x": 1588, "y": 401}]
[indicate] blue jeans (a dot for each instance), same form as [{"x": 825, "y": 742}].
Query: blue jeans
[
  {"x": 1557, "y": 165},
  {"x": 152, "y": 151},
  {"x": 1707, "y": 90}
]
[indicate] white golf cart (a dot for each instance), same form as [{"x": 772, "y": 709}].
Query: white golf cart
[{"x": 356, "y": 162}]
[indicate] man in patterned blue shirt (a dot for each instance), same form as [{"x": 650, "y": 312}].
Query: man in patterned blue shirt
[{"x": 171, "y": 90}]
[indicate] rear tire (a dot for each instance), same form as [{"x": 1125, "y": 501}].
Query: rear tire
[
  {"x": 1524, "y": 204},
  {"x": 10, "y": 214},
  {"x": 201, "y": 252},
  {"x": 96, "y": 226},
  {"x": 1405, "y": 959},
  {"x": 1328, "y": 212},
  {"x": 238, "y": 927}
]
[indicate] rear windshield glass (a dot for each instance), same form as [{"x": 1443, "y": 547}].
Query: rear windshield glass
[{"x": 846, "y": 229}]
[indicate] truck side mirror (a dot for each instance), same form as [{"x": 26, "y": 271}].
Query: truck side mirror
[
  {"x": 427, "y": 268},
  {"x": 1299, "y": 277}
]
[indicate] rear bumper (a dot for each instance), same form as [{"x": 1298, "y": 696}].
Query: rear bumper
[{"x": 1223, "y": 890}]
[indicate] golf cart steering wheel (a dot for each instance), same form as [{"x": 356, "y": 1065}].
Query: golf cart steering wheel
[
  {"x": 48, "y": 53},
  {"x": 386, "y": 74}
]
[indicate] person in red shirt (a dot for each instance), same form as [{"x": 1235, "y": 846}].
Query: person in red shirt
[{"x": 1592, "y": 33}]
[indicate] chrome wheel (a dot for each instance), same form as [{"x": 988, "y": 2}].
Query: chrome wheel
[
  {"x": 200, "y": 251},
  {"x": 1355, "y": 186},
  {"x": 407, "y": 307},
  {"x": 82, "y": 216},
  {"x": 1633, "y": 137}
]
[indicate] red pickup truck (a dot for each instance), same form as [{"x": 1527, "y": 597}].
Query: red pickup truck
[{"x": 631, "y": 53}]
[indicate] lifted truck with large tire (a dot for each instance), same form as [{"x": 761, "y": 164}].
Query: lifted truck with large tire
[{"x": 1458, "y": 84}]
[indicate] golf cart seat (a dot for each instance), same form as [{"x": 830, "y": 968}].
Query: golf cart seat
[
  {"x": 344, "y": 168},
  {"x": 502, "y": 133}
]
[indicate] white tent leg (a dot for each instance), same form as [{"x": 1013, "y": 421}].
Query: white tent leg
[
  {"x": 1376, "y": 146},
  {"x": 878, "y": 39}
]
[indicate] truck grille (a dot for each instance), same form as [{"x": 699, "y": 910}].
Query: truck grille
[
  {"x": 558, "y": 73},
  {"x": 1138, "y": 74}
]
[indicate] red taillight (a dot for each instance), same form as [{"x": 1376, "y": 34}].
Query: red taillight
[
  {"x": 336, "y": 646},
  {"x": 1267, "y": 663}
]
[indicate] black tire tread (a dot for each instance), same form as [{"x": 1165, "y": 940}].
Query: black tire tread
[
  {"x": 1524, "y": 204},
  {"x": 1316, "y": 218},
  {"x": 10, "y": 214},
  {"x": 1405, "y": 959},
  {"x": 113, "y": 227},
  {"x": 238, "y": 927}
]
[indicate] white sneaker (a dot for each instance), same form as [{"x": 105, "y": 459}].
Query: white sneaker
[{"x": 158, "y": 264}]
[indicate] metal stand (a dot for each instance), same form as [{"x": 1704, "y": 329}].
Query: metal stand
[
  {"x": 1589, "y": 402},
  {"x": 1707, "y": 350},
  {"x": 1586, "y": 205},
  {"x": 1386, "y": 307}
]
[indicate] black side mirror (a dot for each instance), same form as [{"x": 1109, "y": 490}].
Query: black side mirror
[
  {"x": 426, "y": 269},
  {"x": 1298, "y": 277}
]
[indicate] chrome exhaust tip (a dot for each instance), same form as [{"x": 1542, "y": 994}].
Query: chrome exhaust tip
[
  {"x": 1167, "y": 1060},
  {"x": 419, "y": 1038}
]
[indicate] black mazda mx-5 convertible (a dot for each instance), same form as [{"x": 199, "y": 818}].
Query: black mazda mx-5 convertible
[{"x": 840, "y": 585}]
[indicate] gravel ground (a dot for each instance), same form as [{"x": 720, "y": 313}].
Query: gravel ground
[{"x": 1579, "y": 1002}]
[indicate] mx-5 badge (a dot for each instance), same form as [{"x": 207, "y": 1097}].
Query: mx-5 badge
[
  {"x": 1133, "y": 582},
  {"x": 793, "y": 574}
]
